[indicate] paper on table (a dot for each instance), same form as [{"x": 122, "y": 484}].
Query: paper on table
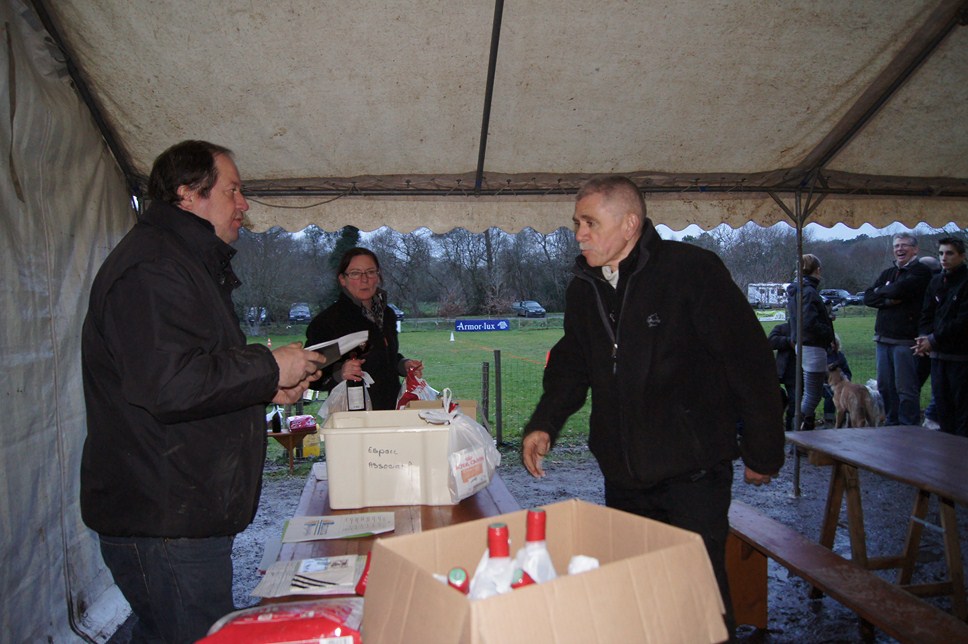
[
  {"x": 340, "y": 526},
  {"x": 319, "y": 576},
  {"x": 346, "y": 343}
]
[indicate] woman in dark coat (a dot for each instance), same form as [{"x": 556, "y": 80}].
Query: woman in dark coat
[
  {"x": 362, "y": 305},
  {"x": 818, "y": 333}
]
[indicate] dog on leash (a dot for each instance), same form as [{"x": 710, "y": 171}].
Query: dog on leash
[{"x": 855, "y": 407}]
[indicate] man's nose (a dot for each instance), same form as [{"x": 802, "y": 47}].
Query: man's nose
[{"x": 241, "y": 202}]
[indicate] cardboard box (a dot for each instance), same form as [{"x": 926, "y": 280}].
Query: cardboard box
[
  {"x": 655, "y": 584},
  {"x": 385, "y": 458},
  {"x": 468, "y": 407}
]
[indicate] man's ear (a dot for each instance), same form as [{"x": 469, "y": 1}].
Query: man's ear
[
  {"x": 185, "y": 196},
  {"x": 630, "y": 225}
]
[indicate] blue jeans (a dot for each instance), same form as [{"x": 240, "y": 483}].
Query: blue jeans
[
  {"x": 177, "y": 588},
  {"x": 899, "y": 384}
]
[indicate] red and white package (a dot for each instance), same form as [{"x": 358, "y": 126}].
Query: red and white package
[
  {"x": 321, "y": 621},
  {"x": 415, "y": 388},
  {"x": 303, "y": 423}
]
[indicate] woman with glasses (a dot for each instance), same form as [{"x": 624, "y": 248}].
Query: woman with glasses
[{"x": 362, "y": 305}]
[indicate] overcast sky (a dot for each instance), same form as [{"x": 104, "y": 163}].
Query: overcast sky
[{"x": 820, "y": 233}]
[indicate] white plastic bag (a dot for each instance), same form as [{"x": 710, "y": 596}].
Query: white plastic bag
[
  {"x": 472, "y": 456},
  {"x": 337, "y": 399}
]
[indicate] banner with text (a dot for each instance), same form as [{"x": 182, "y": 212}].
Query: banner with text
[{"x": 481, "y": 325}]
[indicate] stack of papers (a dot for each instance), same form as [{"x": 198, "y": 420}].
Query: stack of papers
[
  {"x": 319, "y": 576},
  {"x": 340, "y": 526}
]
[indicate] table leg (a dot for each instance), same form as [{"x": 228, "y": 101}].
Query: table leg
[
  {"x": 913, "y": 541},
  {"x": 952, "y": 553},
  {"x": 855, "y": 516},
  {"x": 835, "y": 496},
  {"x": 828, "y": 529}
]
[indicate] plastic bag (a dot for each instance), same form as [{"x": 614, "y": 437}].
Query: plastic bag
[
  {"x": 415, "y": 388},
  {"x": 320, "y": 620},
  {"x": 472, "y": 456},
  {"x": 337, "y": 399}
]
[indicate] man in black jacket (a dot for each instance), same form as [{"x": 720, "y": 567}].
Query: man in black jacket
[
  {"x": 172, "y": 465},
  {"x": 897, "y": 294},
  {"x": 681, "y": 375},
  {"x": 944, "y": 336}
]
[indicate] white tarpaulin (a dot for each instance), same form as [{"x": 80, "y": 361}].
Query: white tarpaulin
[{"x": 372, "y": 113}]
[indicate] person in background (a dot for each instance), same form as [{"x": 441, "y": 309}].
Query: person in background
[
  {"x": 898, "y": 294},
  {"x": 818, "y": 333},
  {"x": 924, "y": 362},
  {"x": 943, "y": 335},
  {"x": 362, "y": 306},
  {"x": 781, "y": 341},
  {"x": 835, "y": 358},
  {"x": 172, "y": 463},
  {"x": 676, "y": 362}
]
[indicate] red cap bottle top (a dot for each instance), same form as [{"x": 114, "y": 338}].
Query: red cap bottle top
[
  {"x": 457, "y": 577},
  {"x": 497, "y": 540},
  {"x": 521, "y": 578},
  {"x": 536, "y": 525}
]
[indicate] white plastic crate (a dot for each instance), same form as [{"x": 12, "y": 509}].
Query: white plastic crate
[{"x": 385, "y": 458}]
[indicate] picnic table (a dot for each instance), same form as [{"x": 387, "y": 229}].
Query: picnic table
[
  {"x": 290, "y": 441},
  {"x": 931, "y": 462}
]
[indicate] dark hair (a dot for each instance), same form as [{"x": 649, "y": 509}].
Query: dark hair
[
  {"x": 615, "y": 187},
  {"x": 959, "y": 244},
  {"x": 348, "y": 256},
  {"x": 189, "y": 163}
]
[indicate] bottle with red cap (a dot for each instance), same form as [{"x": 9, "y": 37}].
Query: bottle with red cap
[
  {"x": 493, "y": 575},
  {"x": 534, "y": 558},
  {"x": 457, "y": 578}
]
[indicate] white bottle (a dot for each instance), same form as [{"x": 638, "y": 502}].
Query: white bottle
[
  {"x": 533, "y": 558},
  {"x": 493, "y": 575}
]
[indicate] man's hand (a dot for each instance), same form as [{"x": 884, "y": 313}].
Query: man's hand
[
  {"x": 290, "y": 395},
  {"x": 297, "y": 365},
  {"x": 755, "y": 478},
  {"x": 533, "y": 449},
  {"x": 416, "y": 366},
  {"x": 922, "y": 346}
]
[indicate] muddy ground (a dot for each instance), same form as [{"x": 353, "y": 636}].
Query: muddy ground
[{"x": 793, "y": 617}]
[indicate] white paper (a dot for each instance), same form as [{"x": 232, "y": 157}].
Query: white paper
[
  {"x": 318, "y": 576},
  {"x": 319, "y": 471},
  {"x": 340, "y": 526},
  {"x": 347, "y": 343}
]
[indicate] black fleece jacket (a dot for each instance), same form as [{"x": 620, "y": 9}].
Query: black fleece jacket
[{"x": 683, "y": 380}]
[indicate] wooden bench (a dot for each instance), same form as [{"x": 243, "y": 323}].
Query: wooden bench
[{"x": 754, "y": 537}]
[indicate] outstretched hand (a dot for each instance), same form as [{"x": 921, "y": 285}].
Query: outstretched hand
[{"x": 533, "y": 449}]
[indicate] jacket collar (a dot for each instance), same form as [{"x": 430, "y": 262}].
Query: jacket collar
[{"x": 198, "y": 236}]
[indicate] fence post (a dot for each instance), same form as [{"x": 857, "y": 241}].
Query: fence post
[
  {"x": 485, "y": 389},
  {"x": 498, "y": 406}
]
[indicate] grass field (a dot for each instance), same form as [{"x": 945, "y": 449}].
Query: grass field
[{"x": 458, "y": 363}]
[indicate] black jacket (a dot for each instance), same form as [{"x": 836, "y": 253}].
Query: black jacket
[
  {"x": 818, "y": 328},
  {"x": 175, "y": 398},
  {"x": 944, "y": 317},
  {"x": 686, "y": 364},
  {"x": 780, "y": 340},
  {"x": 898, "y": 294},
  {"x": 382, "y": 351}
]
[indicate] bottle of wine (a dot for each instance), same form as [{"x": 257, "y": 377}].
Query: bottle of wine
[
  {"x": 355, "y": 395},
  {"x": 493, "y": 575},
  {"x": 534, "y": 558}
]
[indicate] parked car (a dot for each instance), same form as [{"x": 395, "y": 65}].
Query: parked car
[
  {"x": 397, "y": 311},
  {"x": 257, "y": 315},
  {"x": 299, "y": 312},
  {"x": 838, "y": 297},
  {"x": 528, "y": 309}
]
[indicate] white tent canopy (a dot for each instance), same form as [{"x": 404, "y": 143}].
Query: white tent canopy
[
  {"x": 421, "y": 113},
  {"x": 711, "y": 105}
]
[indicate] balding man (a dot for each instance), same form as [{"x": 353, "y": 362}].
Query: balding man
[{"x": 682, "y": 377}]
